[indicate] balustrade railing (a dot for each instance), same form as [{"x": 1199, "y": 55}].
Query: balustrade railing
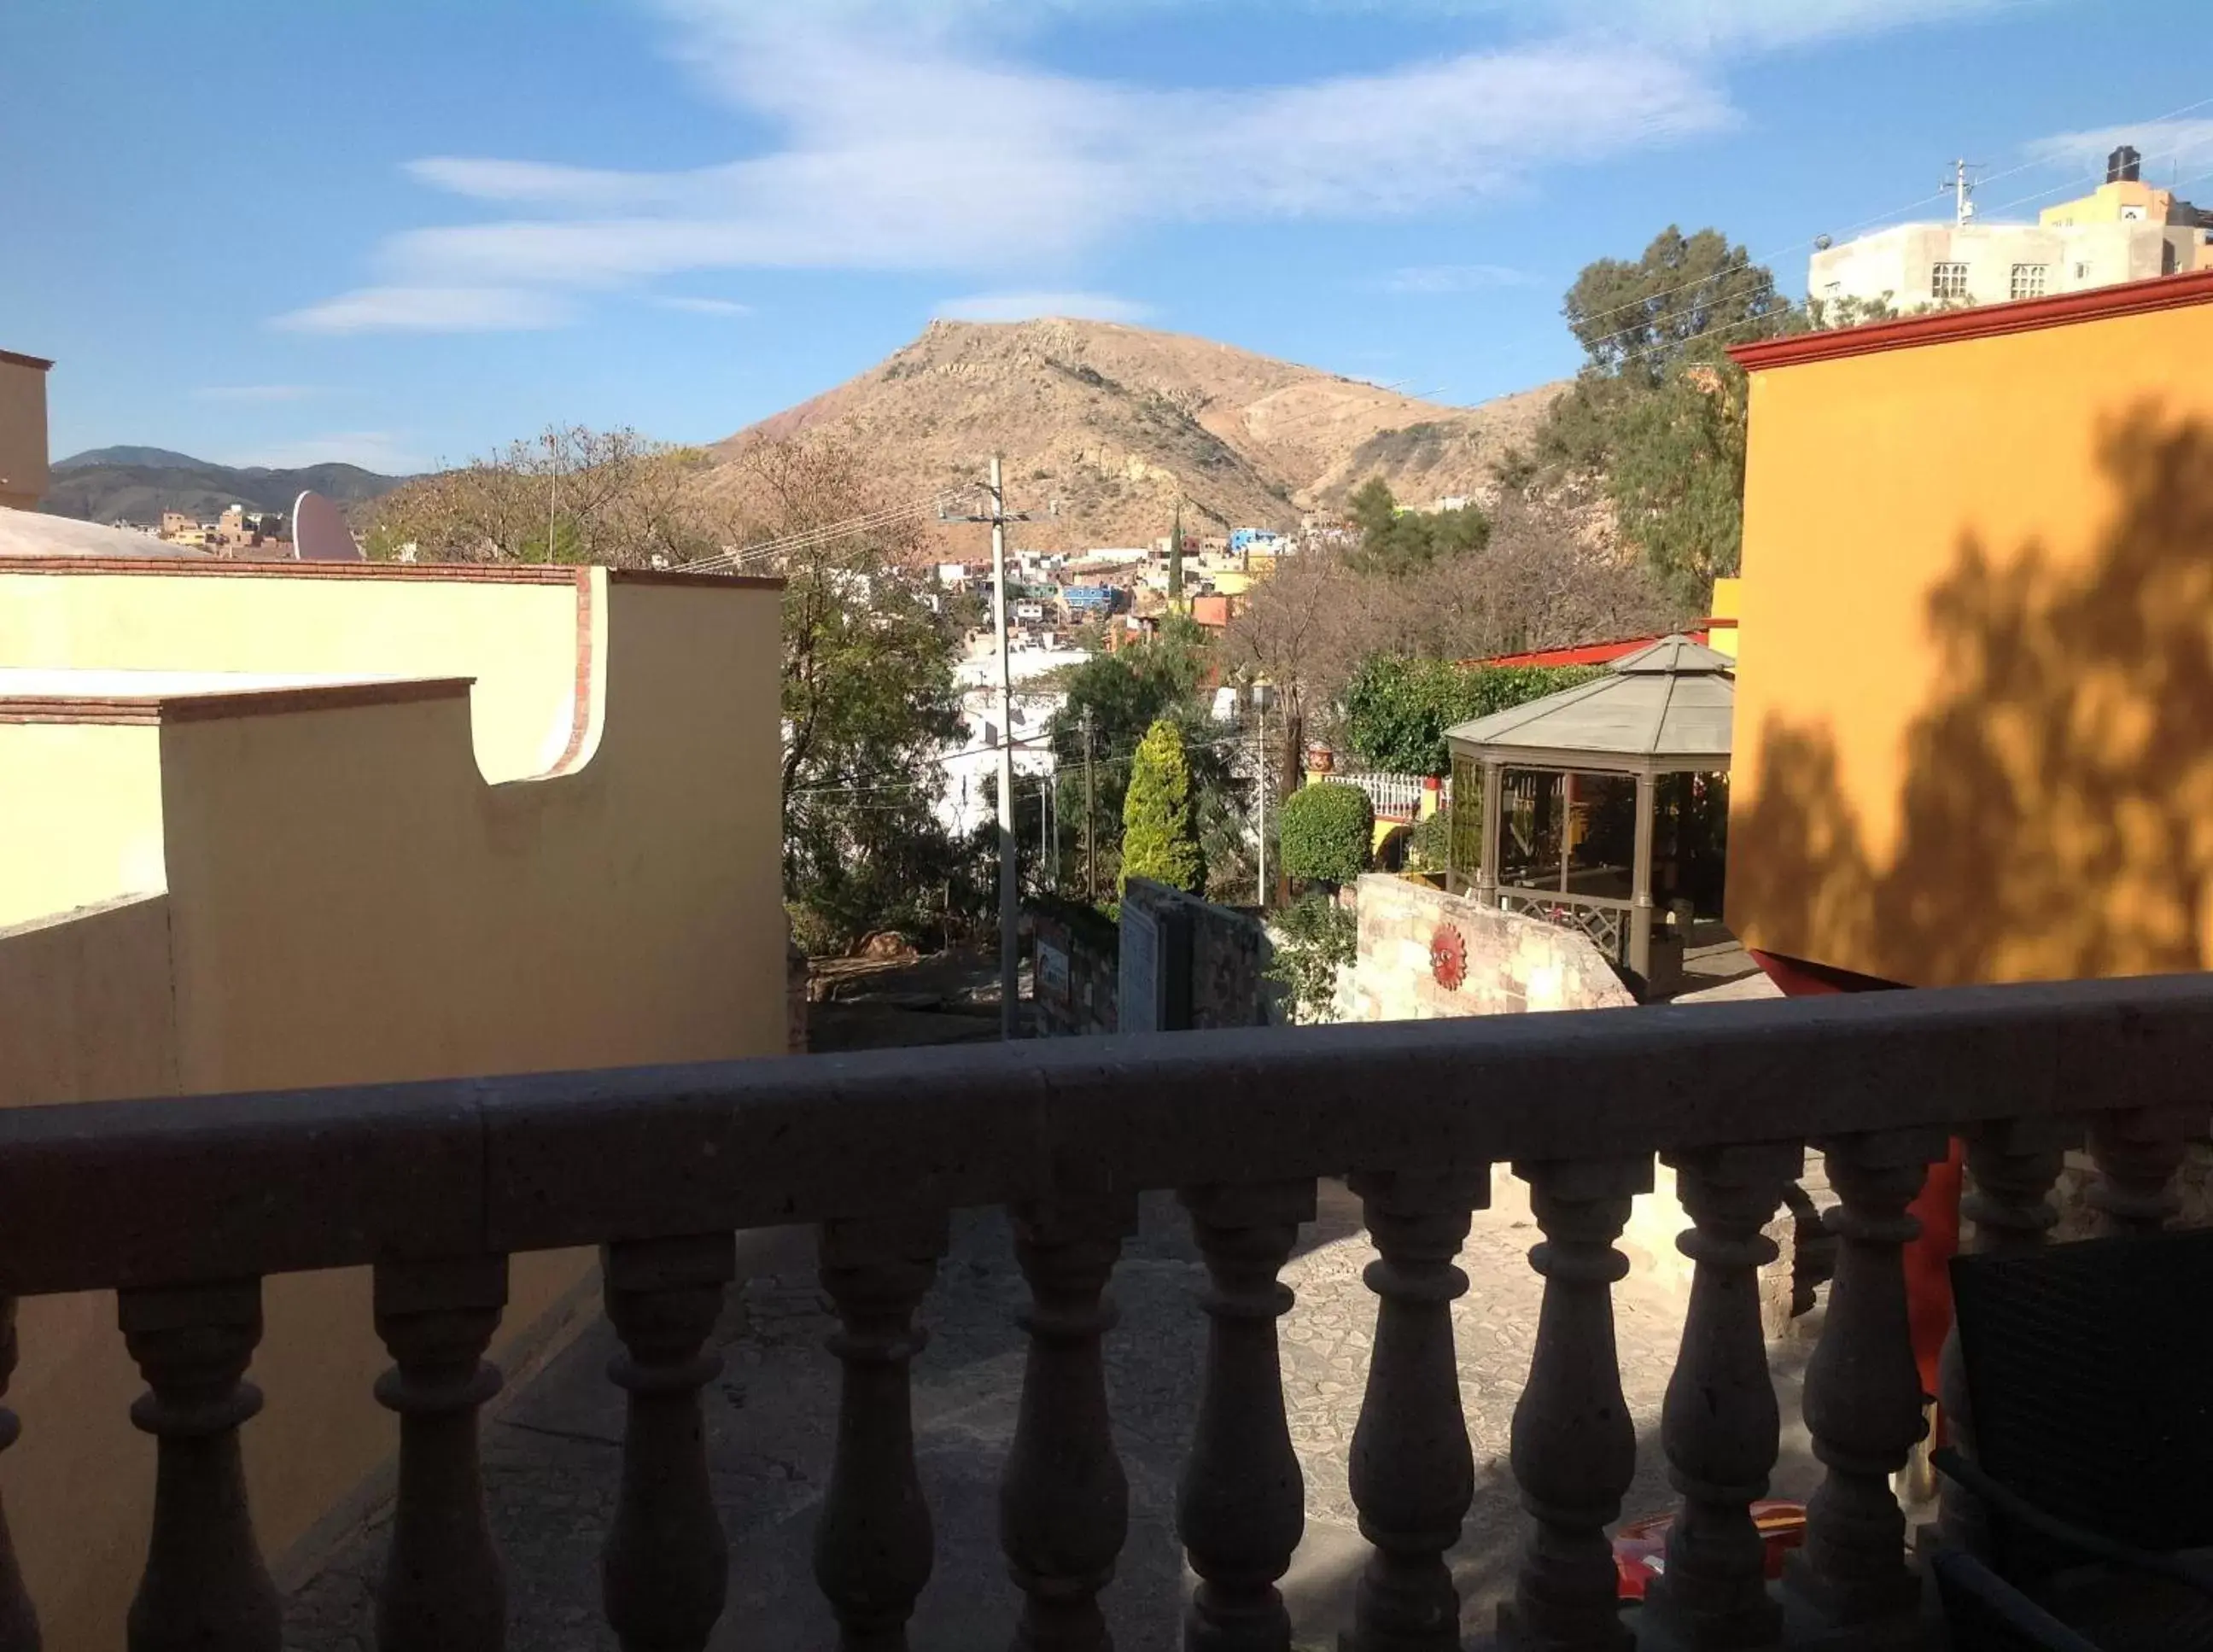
[
  {"x": 1602, "y": 918},
  {"x": 184, "y": 1205}
]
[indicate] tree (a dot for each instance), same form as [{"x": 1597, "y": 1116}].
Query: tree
[
  {"x": 1683, "y": 300},
  {"x": 1160, "y": 828},
  {"x": 1175, "y": 561},
  {"x": 1327, "y": 832},
  {"x": 1658, "y": 411},
  {"x": 869, "y": 703},
  {"x": 1397, "y": 543},
  {"x": 1315, "y": 939},
  {"x": 1396, "y": 709},
  {"x": 573, "y": 495}
]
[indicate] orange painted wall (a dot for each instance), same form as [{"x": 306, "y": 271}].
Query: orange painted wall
[{"x": 1974, "y": 717}]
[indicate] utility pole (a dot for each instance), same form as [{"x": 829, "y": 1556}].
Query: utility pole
[
  {"x": 1260, "y": 706},
  {"x": 1090, "y": 809},
  {"x": 1963, "y": 190},
  {"x": 1010, "y": 852},
  {"x": 1045, "y": 827}
]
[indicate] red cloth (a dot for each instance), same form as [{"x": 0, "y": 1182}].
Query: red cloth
[{"x": 1928, "y": 1258}]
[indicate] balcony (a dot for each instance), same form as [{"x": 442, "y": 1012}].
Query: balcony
[{"x": 184, "y": 1205}]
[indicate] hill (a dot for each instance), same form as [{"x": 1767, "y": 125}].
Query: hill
[
  {"x": 152, "y": 458},
  {"x": 102, "y": 486},
  {"x": 1103, "y": 427}
]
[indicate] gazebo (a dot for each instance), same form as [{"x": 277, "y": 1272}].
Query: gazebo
[{"x": 1546, "y": 839}]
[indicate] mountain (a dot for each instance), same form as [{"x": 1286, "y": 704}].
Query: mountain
[
  {"x": 150, "y": 458},
  {"x": 1103, "y": 427},
  {"x": 105, "y": 485}
]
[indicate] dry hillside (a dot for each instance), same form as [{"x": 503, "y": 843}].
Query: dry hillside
[{"x": 1104, "y": 427}]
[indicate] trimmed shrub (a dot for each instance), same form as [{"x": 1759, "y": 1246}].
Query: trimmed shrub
[
  {"x": 1160, "y": 824},
  {"x": 1326, "y": 833}
]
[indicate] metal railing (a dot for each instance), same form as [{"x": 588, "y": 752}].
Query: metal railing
[
  {"x": 1398, "y": 795},
  {"x": 184, "y": 1204},
  {"x": 1602, "y": 918}
]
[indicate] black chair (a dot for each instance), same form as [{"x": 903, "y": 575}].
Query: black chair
[{"x": 2089, "y": 1371}]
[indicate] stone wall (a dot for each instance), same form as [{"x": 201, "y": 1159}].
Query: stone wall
[
  {"x": 1423, "y": 954},
  {"x": 1219, "y": 971}
]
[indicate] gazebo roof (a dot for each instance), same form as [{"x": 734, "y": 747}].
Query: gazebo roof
[{"x": 1665, "y": 708}]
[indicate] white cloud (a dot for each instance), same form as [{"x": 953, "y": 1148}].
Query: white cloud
[
  {"x": 255, "y": 392},
  {"x": 374, "y": 450},
  {"x": 723, "y": 306},
  {"x": 1430, "y": 278},
  {"x": 2164, "y": 145},
  {"x": 899, "y": 140},
  {"x": 1027, "y": 307},
  {"x": 432, "y": 310}
]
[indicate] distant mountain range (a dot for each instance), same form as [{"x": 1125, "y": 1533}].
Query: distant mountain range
[
  {"x": 136, "y": 485},
  {"x": 1105, "y": 428}
]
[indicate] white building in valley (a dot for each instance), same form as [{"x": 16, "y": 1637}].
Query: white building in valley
[{"x": 2125, "y": 230}]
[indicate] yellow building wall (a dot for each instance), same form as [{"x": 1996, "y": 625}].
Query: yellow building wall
[
  {"x": 514, "y": 631},
  {"x": 1727, "y": 603},
  {"x": 349, "y": 901},
  {"x": 106, "y": 843},
  {"x": 22, "y": 433},
  {"x": 1974, "y": 713}
]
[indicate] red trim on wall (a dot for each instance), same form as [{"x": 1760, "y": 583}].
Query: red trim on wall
[
  {"x": 1586, "y": 653},
  {"x": 1984, "y": 321},
  {"x": 461, "y": 573}
]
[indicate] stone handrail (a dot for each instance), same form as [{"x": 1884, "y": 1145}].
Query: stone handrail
[{"x": 184, "y": 1204}]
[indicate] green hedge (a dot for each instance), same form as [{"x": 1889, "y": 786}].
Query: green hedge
[
  {"x": 1397, "y": 710},
  {"x": 1326, "y": 833}
]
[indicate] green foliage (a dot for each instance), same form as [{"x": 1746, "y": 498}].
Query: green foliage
[
  {"x": 1176, "y": 559},
  {"x": 1658, "y": 413},
  {"x": 1160, "y": 827},
  {"x": 1398, "y": 542},
  {"x": 1431, "y": 844},
  {"x": 1684, "y": 299},
  {"x": 1315, "y": 938},
  {"x": 1327, "y": 832},
  {"x": 1396, "y": 709}
]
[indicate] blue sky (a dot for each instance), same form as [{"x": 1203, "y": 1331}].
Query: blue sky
[{"x": 397, "y": 231}]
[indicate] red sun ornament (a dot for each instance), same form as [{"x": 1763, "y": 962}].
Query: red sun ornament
[{"x": 1449, "y": 957}]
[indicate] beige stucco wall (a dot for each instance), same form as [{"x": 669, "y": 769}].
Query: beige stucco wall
[
  {"x": 22, "y": 433},
  {"x": 83, "y": 816},
  {"x": 348, "y": 900},
  {"x": 516, "y": 632}
]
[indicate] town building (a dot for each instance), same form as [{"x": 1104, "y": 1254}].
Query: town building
[
  {"x": 2125, "y": 230},
  {"x": 273, "y": 825}
]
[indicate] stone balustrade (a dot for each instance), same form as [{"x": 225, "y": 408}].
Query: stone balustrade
[{"x": 183, "y": 1206}]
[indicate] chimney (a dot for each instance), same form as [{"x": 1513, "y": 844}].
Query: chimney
[
  {"x": 22, "y": 430},
  {"x": 2123, "y": 165}
]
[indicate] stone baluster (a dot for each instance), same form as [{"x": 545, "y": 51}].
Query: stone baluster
[
  {"x": 19, "y": 1623},
  {"x": 2138, "y": 1152},
  {"x": 1411, "y": 1473},
  {"x": 666, "y": 1568},
  {"x": 1575, "y": 1448},
  {"x": 1242, "y": 1508},
  {"x": 443, "y": 1588},
  {"x": 2013, "y": 1164},
  {"x": 1863, "y": 1389},
  {"x": 205, "y": 1589},
  {"x": 872, "y": 1545},
  {"x": 1064, "y": 1504},
  {"x": 1720, "y": 1424}
]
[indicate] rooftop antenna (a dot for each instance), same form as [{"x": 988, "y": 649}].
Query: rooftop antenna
[{"x": 319, "y": 533}]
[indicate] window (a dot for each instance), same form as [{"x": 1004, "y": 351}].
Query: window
[
  {"x": 2081, "y": 272},
  {"x": 1947, "y": 281},
  {"x": 2028, "y": 280}
]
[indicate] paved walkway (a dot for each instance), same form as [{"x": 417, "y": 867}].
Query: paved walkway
[{"x": 550, "y": 1456}]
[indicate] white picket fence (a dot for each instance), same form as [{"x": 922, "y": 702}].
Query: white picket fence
[{"x": 1398, "y": 795}]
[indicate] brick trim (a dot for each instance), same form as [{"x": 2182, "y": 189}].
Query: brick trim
[
  {"x": 21, "y": 360},
  {"x": 1984, "y": 321},
  {"x": 464, "y": 573},
  {"x": 167, "y": 708}
]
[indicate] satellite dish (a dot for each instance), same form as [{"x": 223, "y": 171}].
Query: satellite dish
[{"x": 319, "y": 533}]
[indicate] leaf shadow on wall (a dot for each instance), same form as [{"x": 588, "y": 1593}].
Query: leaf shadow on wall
[{"x": 2057, "y": 816}]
